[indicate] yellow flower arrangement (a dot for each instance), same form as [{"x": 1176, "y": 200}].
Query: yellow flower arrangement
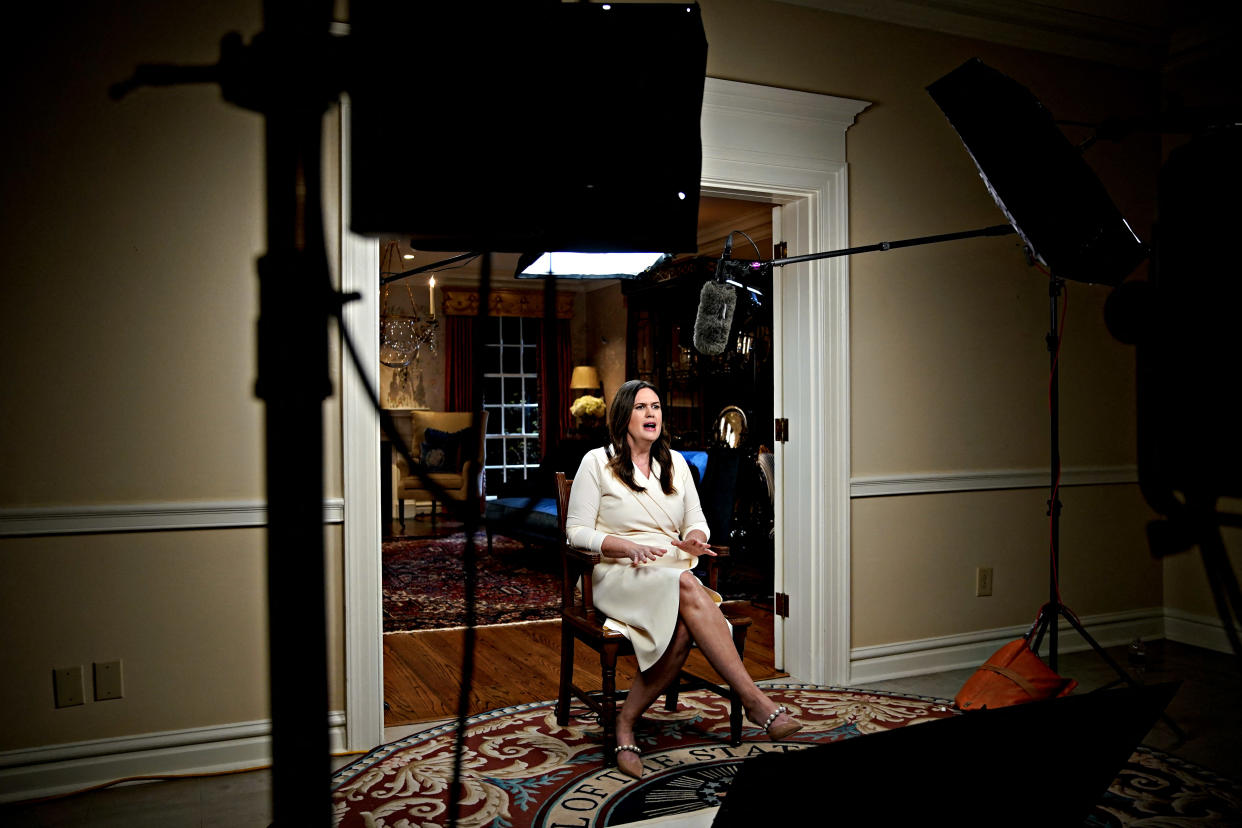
[{"x": 588, "y": 406}]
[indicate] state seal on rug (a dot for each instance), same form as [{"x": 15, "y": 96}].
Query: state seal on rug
[{"x": 521, "y": 770}]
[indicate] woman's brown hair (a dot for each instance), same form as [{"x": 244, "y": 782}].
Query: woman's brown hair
[{"x": 620, "y": 461}]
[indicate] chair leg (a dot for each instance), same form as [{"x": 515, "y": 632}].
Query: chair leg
[
  {"x": 433, "y": 516},
  {"x": 735, "y": 701},
  {"x": 608, "y": 711},
  {"x": 565, "y": 694},
  {"x": 735, "y": 718},
  {"x": 401, "y": 512},
  {"x": 674, "y": 691}
]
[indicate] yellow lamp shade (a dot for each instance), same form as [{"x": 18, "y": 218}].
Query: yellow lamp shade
[{"x": 584, "y": 376}]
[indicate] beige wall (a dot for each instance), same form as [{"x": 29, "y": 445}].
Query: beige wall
[
  {"x": 605, "y": 342},
  {"x": 129, "y": 304},
  {"x": 949, "y": 365},
  {"x": 127, "y": 266},
  {"x": 915, "y": 557}
]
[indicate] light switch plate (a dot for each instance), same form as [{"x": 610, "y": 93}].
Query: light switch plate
[
  {"x": 108, "y": 680},
  {"x": 67, "y": 682}
]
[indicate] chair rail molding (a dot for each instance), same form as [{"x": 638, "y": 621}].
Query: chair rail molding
[
  {"x": 978, "y": 480},
  {"x": 144, "y": 517}
]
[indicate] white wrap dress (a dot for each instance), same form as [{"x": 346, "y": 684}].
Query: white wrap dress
[{"x": 642, "y": 601}]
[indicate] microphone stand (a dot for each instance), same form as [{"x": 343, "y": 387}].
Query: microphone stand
[{"x": 995, "y": 230}]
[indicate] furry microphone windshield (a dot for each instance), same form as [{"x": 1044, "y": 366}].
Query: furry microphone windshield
[{"x": 714, "y": 318}]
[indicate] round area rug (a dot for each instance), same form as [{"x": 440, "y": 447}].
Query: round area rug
[{"x": 519, "y": 768}]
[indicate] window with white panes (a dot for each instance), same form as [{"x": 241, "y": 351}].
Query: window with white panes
[{"x": 511, "y": 399}]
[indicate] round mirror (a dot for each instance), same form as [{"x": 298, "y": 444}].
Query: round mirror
[{"x": 730, "y": 428}]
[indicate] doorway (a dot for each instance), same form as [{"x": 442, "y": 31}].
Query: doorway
[{"x": 803, "y": 172}]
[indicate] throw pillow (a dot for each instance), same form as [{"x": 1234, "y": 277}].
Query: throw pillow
[{"x": 442, "y": 450}]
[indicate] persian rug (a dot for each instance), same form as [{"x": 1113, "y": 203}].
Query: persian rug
[
  {"x": 521, "y": 770},
  {"x": 424, "y": 583}
]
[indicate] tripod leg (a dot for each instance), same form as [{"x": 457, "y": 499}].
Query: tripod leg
[
  {"x": 1100, "y": 651},
  {"x": 1224, "y": 584},
  {"x": 1122, "y": 675}
]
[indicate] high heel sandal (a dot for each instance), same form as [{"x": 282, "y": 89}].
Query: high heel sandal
[
  {"x": 777, "y": 733},
  {"x": 636, "y": 770}
]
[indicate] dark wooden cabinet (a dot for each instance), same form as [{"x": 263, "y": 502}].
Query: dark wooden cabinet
[{"x": 660, "y": 349}]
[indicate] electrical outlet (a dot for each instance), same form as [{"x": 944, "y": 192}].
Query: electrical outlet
[
  {"x": 983, "y": 581},
  {"x": 67, "y": 682},
  {"x": 108, "y": 682}
]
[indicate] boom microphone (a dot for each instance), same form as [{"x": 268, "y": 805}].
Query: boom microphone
[{"x": 715, "y": 315}]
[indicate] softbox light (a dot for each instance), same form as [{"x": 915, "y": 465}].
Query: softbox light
[
  {"x": 522, "y": 126},
  {"x": 1038, "y": 179}
]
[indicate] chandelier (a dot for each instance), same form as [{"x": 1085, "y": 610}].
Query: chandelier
[{"x": 403, "y": 334}]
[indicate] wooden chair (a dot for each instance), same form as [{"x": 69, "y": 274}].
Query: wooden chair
[{"x": 581, "y": 621}]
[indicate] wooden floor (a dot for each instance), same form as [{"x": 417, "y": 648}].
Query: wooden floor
[{"x": 517, "y": 663}]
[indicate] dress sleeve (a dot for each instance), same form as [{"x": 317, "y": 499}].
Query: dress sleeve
[
  {"x": 693, "y": 517},
  {"x": 582, "y": 514}
]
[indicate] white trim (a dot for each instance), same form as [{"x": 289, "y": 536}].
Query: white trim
[
  {"x": 1197, "y": 630},
  {"x": 784, "y": 147},
  {"x": 983, "y": 480},
  {"x": 788, "y": 148},
  {"x": 956, "y": 652},
  {"x": 146, "y": 517},
  {"x": 56, "y": 769},
  {"x": 364, "y": 677},
  {"x": 1096, "y": 32},
  {"x": 778, "y": 490}
]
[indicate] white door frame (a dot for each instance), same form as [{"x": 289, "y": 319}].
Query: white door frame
[{"x": 768, "y": 144}]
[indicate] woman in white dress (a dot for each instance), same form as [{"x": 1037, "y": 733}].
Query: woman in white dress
[{"x": 635, "y": 503}]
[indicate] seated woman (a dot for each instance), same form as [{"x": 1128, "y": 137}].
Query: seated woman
[{"x": 635, "y": 503}]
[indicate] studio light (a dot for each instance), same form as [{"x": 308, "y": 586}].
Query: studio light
[{"x": 572, "y": 265}]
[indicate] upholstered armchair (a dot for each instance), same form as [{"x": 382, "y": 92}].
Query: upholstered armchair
[{"x": 441, "y": 440}]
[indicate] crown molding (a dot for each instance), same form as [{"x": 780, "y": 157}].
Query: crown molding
[{"x": 1093, "y": 30}]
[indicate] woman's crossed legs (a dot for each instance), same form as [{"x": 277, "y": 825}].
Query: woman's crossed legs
[{"x": 699, "y": 621}]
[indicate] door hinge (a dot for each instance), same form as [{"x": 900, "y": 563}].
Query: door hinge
[
  {"x": 780, "y": 250},
  {"x": 781, "y": 429},
  {"x": 781, "y": 605}
]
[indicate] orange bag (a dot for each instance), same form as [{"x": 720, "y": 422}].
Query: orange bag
[{"x": 1013, "y": 675}]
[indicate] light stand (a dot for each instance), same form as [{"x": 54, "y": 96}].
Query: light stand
[
  {"x": 1065, "y": 219},
  {"x": 1051, "y": 612},
  {"x": 1054, "y": 609},
  {"x": 296, "y": 299},
  {"x": 291, "y": 73}
]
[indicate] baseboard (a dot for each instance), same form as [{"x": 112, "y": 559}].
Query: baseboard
[
  {"x": 58, "y": 769},
  {"x": 1205, "y": 631},
  {"x": 956, "y": 652}
]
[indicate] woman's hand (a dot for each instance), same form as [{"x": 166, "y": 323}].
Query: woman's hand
[
  {"x": 694, "y": 544},
  {"x": 639, "y": 554}
]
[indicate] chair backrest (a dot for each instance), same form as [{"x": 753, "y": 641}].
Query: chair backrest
[
  {"x": 414, "y": 426},
  {"x": 574, "y": 570},
  {"x": 563, "y": 486}
]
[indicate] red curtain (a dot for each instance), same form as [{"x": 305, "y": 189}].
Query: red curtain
[
  {"x": 555, "y": 421},
  {"x": 458, "y": 363}
]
